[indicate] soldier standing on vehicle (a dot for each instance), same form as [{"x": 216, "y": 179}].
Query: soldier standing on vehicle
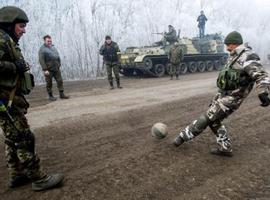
[
  {"x": 109, "y": 50},
  {"x": 22, "y": 160},
  {"x": 175, "y": 58},
  {"x": 201, "y": 23},
  {"x": 171, "y": 36},
  {"x": 235, "y": 82},
  {"x": 50, "y": 62}
]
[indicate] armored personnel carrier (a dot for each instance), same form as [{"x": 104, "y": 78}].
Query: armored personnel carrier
[{"x": 200, "y": 54}]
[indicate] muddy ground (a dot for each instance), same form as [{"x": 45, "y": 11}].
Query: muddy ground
[{"x": 100, "y": 139}]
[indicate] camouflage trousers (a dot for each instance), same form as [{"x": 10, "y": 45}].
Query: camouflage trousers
[
  {"x": 112, "y": 67},
  {"x": 20, "y": 148},
  {"x": 174, "y": 69},
  {"x": 58, "y": 78},
  {"x": 220, "y": 108}
]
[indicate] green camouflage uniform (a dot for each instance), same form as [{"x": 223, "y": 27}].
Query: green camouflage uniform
[
  {"x": 228, "y": 101},
  {"x": 110, "y": 57},
  {"x": 49, "y": 59},
  {"x": 21, "y": 158},
  {"x": 175, "y": 57}
]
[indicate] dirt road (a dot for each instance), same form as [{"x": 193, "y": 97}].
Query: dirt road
[{"x": 100, "y": 139}]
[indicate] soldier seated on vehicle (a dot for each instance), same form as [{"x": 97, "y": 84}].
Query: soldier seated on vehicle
[{"x": 169, "y": 37}]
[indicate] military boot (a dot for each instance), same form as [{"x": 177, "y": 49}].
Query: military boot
[
  {"x": 48, "y": 182},
  {"x": 111, "y": 85},
  {"x": 51, "y": 97},
  {"x": 178, "y": 141},
  {"x": 118, "y": 84},
  {"x": 223, "y": 142},
  {"x": 18, "y": 181},
  {"x": 171, "y": 77},
  {"x": 62, "y": 95},
  {"x": 177, "y": 77}
]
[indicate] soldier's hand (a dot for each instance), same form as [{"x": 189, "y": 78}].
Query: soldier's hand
[
  {"x": 46, "y": 73},
  {"x": 264, "y": 99},
  {"x": 21, "y": 66}
]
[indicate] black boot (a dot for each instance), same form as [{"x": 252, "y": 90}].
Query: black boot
[
  {"x": 48, "y": 182},
  {"x": 51, "y": 97},
  {"x": 62, "y": 95},
  {"x": 118, "y": 84},
  {"x": 171, "y": 77},
  {"x": 177, "y": 77},
  {"x": 18, "y": 181},
  {"x": 111, "y": 85},
  {"x": 218, "y": 152}
]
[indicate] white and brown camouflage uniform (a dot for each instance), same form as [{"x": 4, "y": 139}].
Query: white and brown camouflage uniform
[{"x": 226, "y": 102}]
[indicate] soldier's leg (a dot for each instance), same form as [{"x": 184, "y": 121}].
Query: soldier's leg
[
  {"x": 116, "y": 74},
  {"x": 20, "y": 153},
  {"x": 48, "y": 80},
  {"x": 177, "y": 71},
  {"x": 59, "y": 80},
  {"x": 221, "y": 107},
  {"x": 109, "y": 74},
  {"x": 172, "y": 70}
]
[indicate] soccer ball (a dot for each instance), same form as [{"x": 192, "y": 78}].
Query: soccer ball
[{"x": 159, "y": 130}]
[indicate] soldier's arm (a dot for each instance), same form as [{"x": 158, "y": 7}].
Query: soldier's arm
[
  {"x": 6, "y": 66},
  {"x": 42, "y": 60},
  {"x": 205, "y": 18},
  {"x": 101, "y": 50},
  {"x": 256, "y": 71}
]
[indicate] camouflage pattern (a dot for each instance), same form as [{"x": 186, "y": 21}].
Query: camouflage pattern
[
  {"x": 226, "y": 102},
  {"x": 49, "y": 59},
  {"x": 21, "y": 158},
  {"x": 110, "y": 57}
]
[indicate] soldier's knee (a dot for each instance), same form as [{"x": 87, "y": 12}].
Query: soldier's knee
[
  {"x": 215, "y": 112},
  {"x": 200, "y": 124}
]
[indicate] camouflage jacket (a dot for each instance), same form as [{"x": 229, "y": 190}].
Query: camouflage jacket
[
  {"x": 49, "y": 58},
  {"x": 252, "y": 72},
  {"x": 176, "y": 54},
  {"x": 109, "y": 52},
  {"x": 9, "y": 52}
]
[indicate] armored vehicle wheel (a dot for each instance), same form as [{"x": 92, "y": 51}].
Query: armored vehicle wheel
[
  {"x": 201, "y": 66},
  {"x": 128, "y": 72},
  {"x": 209, "y": 65},
  {"x": 159, "y": 70},
  {"x": 217, "y": 65},
  {"x": 183, "y": 68},
  {"x": 147, "y": 62},
  {"x": 192, "y": 67}
]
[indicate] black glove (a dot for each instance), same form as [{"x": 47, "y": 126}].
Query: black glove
[
  {"x": 264, "y": 99},
  {"x": 21, "y": 66}
]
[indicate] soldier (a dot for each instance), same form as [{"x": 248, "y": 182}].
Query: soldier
[
  {"x": 22, "y": 161},
  {"x": 201, "y": 23},
  {"x": 50, "y": 62},
  {"x": 175, "y": 57},
  {"x": 109, "y": 51},
  {"x": 171, "y": 35},
  {"x": 235, "y": 82}
]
